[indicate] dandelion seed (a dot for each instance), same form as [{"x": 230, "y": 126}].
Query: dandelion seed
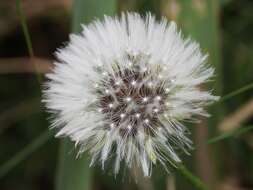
[
  {"x": 160, "y": 76},
  {"x": 128, "y": 99},
  {"x": 117, "y": 83},
  {"x": 158, "y": 98},
  {"x": 133, "y": 83},
  {"x": 96, "y": 85},
  {"x": 150, "y": 84},
  {"x": 144, "y": 69},
  {"x": 167, "y": 90},
  {"x": 137, "y": 115},
  {"x": 156, "y": 110},
  {"x": 122, "y": 115},
  {"x": 129, "y": 127},
  {"x": 104, "y": 73},
  {"x": 144, "y": 122},
  {"x": 130, "y": 63},
  {"x": 145, "y": 99}
]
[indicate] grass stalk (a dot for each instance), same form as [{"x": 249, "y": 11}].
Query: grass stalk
[
  {"x": 6, "y": 167},
  {"x": 27, "y": 37},
  {"x": 194, "y": 180}
]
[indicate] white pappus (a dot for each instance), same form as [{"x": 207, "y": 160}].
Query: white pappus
[{"x": 122, "y": 88}]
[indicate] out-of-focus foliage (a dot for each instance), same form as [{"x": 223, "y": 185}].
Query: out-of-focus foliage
[{"x": 226, "y": 34}]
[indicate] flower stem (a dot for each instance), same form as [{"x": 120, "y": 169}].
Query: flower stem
[{"x": 194, "y": 180}]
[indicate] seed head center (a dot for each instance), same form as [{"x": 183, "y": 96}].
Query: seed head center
[{"x": 129, "y": 99}]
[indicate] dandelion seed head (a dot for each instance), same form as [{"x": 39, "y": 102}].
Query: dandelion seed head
[{"x": 128, "y": 83}]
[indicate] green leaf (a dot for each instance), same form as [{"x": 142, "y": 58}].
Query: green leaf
[{"x": 73, "y": 172}]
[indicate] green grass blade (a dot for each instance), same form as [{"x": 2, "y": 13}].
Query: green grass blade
[
  {"x": 27, "y": 36},
  {"x": 25, "y": 28},
  {"x": 6, "y": 167},
  {"x": 236, "y": 92},
  {"x": 202, "y": 24},
  {"x": 233, "y": 133},
  {"x": 74, "y": 173},
  {"x": 194, "y": 180},
  {"x": 19, "y": 112}
]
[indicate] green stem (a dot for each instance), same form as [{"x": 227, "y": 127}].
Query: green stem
[
  {"x": 236, "y": 92},
  {"x": 27, "y": 37},
  {"x": 233, "y": 133},
  {"x": 24, "y": 28},
  {"x": 24, "y": 153},
  {"x": 194, "y": 180}
]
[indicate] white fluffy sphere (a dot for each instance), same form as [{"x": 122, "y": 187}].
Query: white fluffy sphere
[{"x": 122, "y": 88}]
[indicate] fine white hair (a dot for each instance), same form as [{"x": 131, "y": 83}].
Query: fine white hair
[{"x": 123, "y": 88}]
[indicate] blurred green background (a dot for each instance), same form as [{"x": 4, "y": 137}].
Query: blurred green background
[{"x": 32, "y": 159}]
